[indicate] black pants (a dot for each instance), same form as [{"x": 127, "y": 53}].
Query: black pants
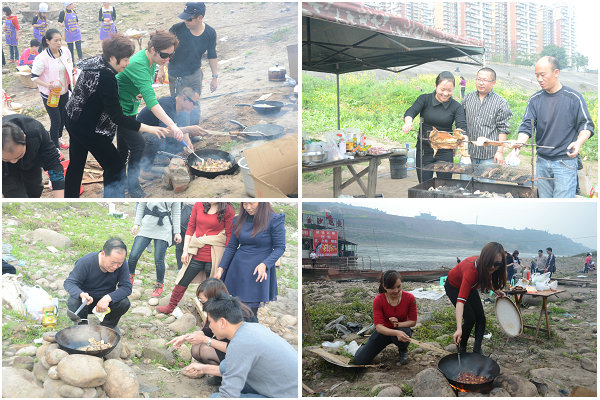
[
  {"x": 131, "y": 148},
  {"x": 107, "y": 156},
  {"x": 117, "y": 310},
  {"x": 79, "y": 52},
  {"x": 441, "y": 155},
  {"x": 179, "y": 252},
  {"x": 510, "y": 272},
  {"x": 193, "y": 269},
  {"x": 473, "y": 315},
  {"x": 376, "y": 343},
  {"x": 17, "y": 182},
  {"x": 154, "y": 144},
  {"x": 58, "y": 117}
]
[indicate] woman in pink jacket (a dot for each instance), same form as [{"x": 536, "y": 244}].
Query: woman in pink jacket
[{"x": 53, "y": 68}]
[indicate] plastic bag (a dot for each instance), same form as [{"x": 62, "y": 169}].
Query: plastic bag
[
  {"x": 541, "y": 286},
  {"x": 512, "y": 159},
  {"x": 36, "y": 299},
  {"x": 553, "y": 285},
  {"x": 13, "y": 296},
  {"x": 334, "y": 345},
  {"x": 540, "y": 278},
  {"x": 351, "y": 347}
]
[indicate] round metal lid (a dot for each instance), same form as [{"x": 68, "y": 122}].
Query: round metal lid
[{"x": 509, "y": 317}]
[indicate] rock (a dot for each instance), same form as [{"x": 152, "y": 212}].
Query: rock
[
  {"x": 50, "y": 238},
  {"x": 70, "y": 391},
  {"x": 432, "y": 383},
  {"x": 153, "y": 301},
  {"x": 350, "y": 337},
  {"x": 40, "y": 372},
  {"x": 163, "y": 301},
  {"x": 44, "y": 362},
  {"x": 169, "y": 320},
  {"x": 159, "y": 354},
  {"x": 288, "y": 320},
  {"x": 528, "y": 300},
  {"x": 54, "y": 356},
  {"x": 82, "y": 371},
  {"x": 53, "y": 373},
  {"x": 23, "y": 362},
  {"x": 27, "y": 351},
  {"x": 418, "y": 350},
  {"x": 451, "y": 348},
  {"x": 142, "y": 310},
  {"x": 588, "y": 364},
  {"x": 183, "y": 324},
  {"x": 89, "y": 393},
  {"x": 499, "y": 392},
  {"x": 52, "y": 387},
  {"x": 115, "y": 354},
  {"x": 185, "y": 353},
  {"x": 176, "y": 176},
  {"x": 327, "y": 337},
  {"x": 546, "y": 388},
  {"x": 121, "y": 380},
  {"x": 516, "y": 385},
  {"x": 49, "y": 337},
  {"x": 19, "y": 383},
  {"x": 581, "y": 378},
  {"x": 135, "y": 295},
  {"x": 470, "y": 394},
  {"x": 336, "y": 321},
  {"x": 390, "y": 391},
  {"x": 375, "y": 389},
  {"x": 100, "y": 392}
]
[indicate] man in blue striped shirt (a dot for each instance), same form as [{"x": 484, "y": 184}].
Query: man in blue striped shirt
[{"x": 562, "y": 122}]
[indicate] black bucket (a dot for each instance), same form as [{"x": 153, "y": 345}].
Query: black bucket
[{"x": 398, "y": 167}]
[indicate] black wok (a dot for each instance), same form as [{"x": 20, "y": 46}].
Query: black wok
[
  {"x": 215, "y": 155},
  {"x": 72, "y": 338},
  {"x": 260, "y": 131},
  {"x": 470, "y": 362},
  {"x": 265, "y": 107}
]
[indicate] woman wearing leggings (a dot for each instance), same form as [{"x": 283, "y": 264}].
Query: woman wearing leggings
[
  {"x": 394, "y": 313},
  {"x": 484, "y": 272}
]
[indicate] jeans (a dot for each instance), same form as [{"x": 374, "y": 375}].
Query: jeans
[
  {"x": 58, "y": 117},
  {"x": 131, "y": 146},
  {"x": 107, "y": 156},
  {"x": 563, "y": 171},
  {"x": 479, "y": 161},
  {"x": 160, "y": 249},
  {"x": 377, "y": 342},
  {"x": 79, "y": 52},
  {"x": 117, "y": 310},
  {"x": 473, "y": 315},
  {"x": 14, "y": 52},
  {"x": 247, "y": 390}
]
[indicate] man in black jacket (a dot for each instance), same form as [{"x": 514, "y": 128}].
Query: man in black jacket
[
  {"x": 550, "y": 262},
  {"x": 26, "y": 149}
]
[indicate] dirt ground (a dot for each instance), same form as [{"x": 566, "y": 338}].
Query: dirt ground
[{"x": 251, "y": 38}]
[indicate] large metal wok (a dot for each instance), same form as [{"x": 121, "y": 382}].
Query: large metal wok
[
  {"x": 206, "y": 154},
  {"x": 72, "y": 338},
  {"x": 469, "y": 362},
  {"x": 261, "y": 131},
  {"x": 265, "y": 106}
]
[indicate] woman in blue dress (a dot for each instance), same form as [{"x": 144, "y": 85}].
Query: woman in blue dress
[{"x": 248, "y": 265}]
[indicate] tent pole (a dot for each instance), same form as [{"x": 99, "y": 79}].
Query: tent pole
[{"x": 337, "y": 81}]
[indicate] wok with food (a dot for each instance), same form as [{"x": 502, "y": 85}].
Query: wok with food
[
  {"x": 216, "y": 162},
  {"x": 93, "y": 340},
  {"x": 95, "y": 345},
  {"x": 211, "y": 165}
]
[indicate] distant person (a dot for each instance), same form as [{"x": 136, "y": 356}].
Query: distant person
[
  {"x": 11, "y": 33},
  {"x": 588, "y": 263},
  {"x": 517, "y": 262},
  {"x": 562, "y": 121},
  {"x": 510, "y": 267},
  {"x": 484, "y": 272},
  {"x": 107, "y": 15},
  {"x": 40, "y": 23},
  {"x": 437, "y": 109},
  {"x": 539, "y": 262},
  {"x": 69, "y": 20},
  {"x": 550, "y": 262},
  {"x": 394, "y": 314},
  {"x": 463, "y": 87},
  {"x": 30, "y": 53},
  {"x": 313, "y": 258}
]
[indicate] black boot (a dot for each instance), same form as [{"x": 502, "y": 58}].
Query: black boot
[{"x": 135, "y": 190}]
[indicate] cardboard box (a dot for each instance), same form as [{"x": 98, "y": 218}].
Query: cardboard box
[
  {"x": 274, "y": 167},
  {"x": 25, "y": 76}
]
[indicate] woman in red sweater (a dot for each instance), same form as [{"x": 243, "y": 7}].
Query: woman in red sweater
[
  {"x": 206, "y": 237},
  {"x": 394, "y": 313},
  {"x": 484, "y": 272}
]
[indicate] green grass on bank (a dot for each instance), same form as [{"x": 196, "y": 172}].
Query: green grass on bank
[{"x": 377, "y": 107}]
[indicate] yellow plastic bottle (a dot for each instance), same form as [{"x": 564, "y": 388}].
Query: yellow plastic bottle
[{"x": 53, "y": 97}]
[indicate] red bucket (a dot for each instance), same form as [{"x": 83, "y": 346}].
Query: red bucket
[{"x": 65, "y": 164}]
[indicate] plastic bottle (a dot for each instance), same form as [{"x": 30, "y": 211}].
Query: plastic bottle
[
  {"x": 341, "y": 143},
  {"x": 53, "y": 97},
  {"x": 410, "y": 161}
]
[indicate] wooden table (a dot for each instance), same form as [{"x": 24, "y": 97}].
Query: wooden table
[
  {"x": 369, "y": 190},
  {"x": 518, "y": 294}
]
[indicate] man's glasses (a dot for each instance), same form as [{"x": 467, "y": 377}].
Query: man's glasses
[
  {"x": 188, "y": 98},
  {"x": 481, "y": 80},
  {"x": 165, "y": 55}
]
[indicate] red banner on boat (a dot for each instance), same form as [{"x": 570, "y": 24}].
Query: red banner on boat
[
  {"x": 325, "y": 243},
  {"x": 305, "y": 232}
]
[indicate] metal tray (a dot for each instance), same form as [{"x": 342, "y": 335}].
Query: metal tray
[{"x": 466, "y": 189}]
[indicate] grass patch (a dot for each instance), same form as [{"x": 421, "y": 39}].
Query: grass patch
[
  {"x": 280, "y": 34},
  {"x": 316, "y": 177},
  {"x": 556, "y": 310}
]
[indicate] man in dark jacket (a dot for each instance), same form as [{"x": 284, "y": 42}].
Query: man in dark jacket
[
  {"x": 101, "y": 279},
  {"x": 550, "y": 262},
  {"x": 26, "y": 149}
]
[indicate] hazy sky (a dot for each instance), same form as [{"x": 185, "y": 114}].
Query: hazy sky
[
  {"x": 573, "y": 219},
  {"x": 586, "y": 14}
]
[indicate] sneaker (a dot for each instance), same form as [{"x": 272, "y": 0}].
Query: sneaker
[
  {"x": 62, "y": 144},
  {"x": 131, "y": 278},
  {"x": 158, "y": 289},
  {"x": 403, "y": 358}
]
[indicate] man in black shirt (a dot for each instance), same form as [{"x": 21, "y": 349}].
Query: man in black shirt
[
  {"x": 195, "y": 38},
  {"x": 26, "y": 149},
  {"x": 563, "y": 123},
  {"x": 550, "y": 262}
]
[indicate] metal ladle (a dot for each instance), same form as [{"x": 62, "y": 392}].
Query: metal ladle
[
  {"x": 73, "y": 316},
  {"x": 192, "y": 150}
]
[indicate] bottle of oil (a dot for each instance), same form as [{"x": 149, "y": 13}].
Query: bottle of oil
[{"x": 53, "y": 97}]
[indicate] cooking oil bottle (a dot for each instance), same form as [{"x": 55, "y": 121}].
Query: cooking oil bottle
[{"x": 53, "y": 97}]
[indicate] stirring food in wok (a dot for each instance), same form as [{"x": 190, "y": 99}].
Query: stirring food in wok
[
  {"x": 95, "y": 345},
  {"x": 211, "y": 165},
  {"x": 471, "y": 378}
]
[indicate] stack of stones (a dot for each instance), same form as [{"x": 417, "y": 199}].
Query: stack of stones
[{"x": 176, "y": 176}]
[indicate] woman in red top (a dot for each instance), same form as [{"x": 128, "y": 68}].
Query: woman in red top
[
  {"x": 208, "y": 219},
  {"x": 394, "y": 313},
  {"x": 484, "y": 272}
]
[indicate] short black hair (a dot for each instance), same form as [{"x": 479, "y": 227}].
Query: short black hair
[
  {"x": 445, "y": 76},
  {"x": 388, "y": 279},
  {"x": 113, "y": 243},
  {"x": 224, "y": 306},
  {"x": 34, "y": 43},
  {"x": 540, "y": 251},
  {"x": 549, "y": 248},
  {"x": 488, "y": 69},
  {"x": 12, "y": 135},
  {"x": 7, "y": 10}
]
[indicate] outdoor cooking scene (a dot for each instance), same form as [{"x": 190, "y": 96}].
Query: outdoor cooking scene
[
  {"x": 149, "y": 299},
  {"x": 448, "y": 100},
  {"x": 218, "y": 105},
  {"x": 472, "y": 300}
]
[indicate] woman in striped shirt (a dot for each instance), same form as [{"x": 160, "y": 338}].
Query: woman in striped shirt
[{"x": 484, "y": 272}]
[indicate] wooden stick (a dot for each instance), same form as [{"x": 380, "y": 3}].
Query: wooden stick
[
  {"x": 306, "y": 388},
  {"x": 429, "y": 347}
]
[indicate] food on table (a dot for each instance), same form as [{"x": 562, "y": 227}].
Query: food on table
[
  {"x": 377, "y": 150},
  {"x": 95, "y": 345},
  {"x": 471, "y": 379},
  {"x": 447, "y": 140},
  {"x": 211, "y": 165}
]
